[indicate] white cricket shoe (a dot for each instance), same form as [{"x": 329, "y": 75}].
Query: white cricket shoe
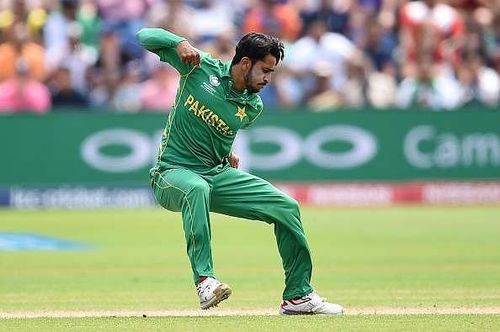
[
  {"x": 311, "y": 304},
  {"x": 212, "y": 292}
]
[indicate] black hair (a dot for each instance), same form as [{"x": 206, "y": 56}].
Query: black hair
[{"x": 257, "y": 46}]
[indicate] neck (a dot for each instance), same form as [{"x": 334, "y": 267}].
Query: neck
[{"x": 238, "y": 78}]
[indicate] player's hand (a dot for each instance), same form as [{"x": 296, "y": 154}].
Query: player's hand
[
  {"x": 234, "y": 160},
  {"x": 188, "y": 53}
]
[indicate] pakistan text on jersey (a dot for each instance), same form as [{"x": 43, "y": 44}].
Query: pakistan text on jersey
[{"x": 208, "y": 116}]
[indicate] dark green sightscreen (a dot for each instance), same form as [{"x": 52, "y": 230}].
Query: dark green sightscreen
[{"x": 118, "y": 149}]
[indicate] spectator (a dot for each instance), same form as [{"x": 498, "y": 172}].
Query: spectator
[
  {"x": 323, "y": 97},
  {"x": 91, "y": 25},
  {"x": 99, "y": 93},
  {"x": 121, "y": 21},
  {"x": 21, "y": 47},
  {"x": 479, "y": 83},
  {"x": 320, "y": 46},
  {"x": 274, "y": 18},
  {"x": 63, "y": 93},
  {"x": 382, "y": 87},
  {"x": 76, "y": 58},
  {"x": 19, "y": 13},
  {"x": 172, "y": 15},
  {"x": 468, "y": 6},
  {"x": 23, "y": 93},
  {"x": 367, "y": 46},
  {"x": 222, "y": 47},
  {"x": 426, "y": 85},
  {"x": 431, "y": 27},
  {"x": 127, "y": 97},
  {"x": 378, "y": 43},
  {"x": 380, "y": 15},
  {"x": 335, "y": 14},
  {"x": 491, "y": 40},
  {"x": 353, "y": 91},
  {"x": 158, "y": 93},
  {"x": 211, "y": 18},
  {"x": 56, "y": 39}
]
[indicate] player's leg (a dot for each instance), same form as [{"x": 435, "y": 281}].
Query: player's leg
[
  {"x": 243, "y": 195},
  {"x": 185, "y": 191}
]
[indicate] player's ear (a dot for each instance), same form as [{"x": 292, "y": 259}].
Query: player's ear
[{"x": 246, "y": 63}]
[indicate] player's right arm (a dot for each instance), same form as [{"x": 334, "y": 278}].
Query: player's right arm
[{"x": 170, "y": 48}]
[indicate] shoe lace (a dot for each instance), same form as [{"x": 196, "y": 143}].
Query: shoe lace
[
  {"x": 204, "y": 285},
  {"x": 316, "y": 295},
  {"x": 200, "y": 288}
]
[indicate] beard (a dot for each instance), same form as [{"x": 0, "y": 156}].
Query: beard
[{"x": 248, "y": 82}]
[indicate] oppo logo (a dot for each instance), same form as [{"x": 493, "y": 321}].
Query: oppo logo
[
  {"x": 291, "y": 148},
  {"x": 142, "y": 150}
]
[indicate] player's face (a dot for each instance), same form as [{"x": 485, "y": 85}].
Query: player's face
[{"x": 260, "y": 73}]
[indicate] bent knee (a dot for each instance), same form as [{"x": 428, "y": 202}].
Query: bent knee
[
  {"x": 291, "y": 203},
  {"x": 199, "y": 188},
  {"x": 289, "y": 206}
]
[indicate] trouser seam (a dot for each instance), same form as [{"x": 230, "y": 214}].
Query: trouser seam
[{"x": 189, "y": 208}]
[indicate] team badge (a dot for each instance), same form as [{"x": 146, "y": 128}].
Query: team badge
[
  {"x": 241, "y": 113},
  {"x": 214, "y": 80}
]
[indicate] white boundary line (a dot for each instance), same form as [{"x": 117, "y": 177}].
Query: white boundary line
[{"x": 240, "y": 312}]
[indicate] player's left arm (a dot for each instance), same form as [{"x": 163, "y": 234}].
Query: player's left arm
[{"x": 175, "y": 50}]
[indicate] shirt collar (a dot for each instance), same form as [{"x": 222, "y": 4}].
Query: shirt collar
[{"x": 226, "y": 69}]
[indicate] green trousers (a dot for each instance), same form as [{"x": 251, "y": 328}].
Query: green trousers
[{"x": 229, "y": 191}]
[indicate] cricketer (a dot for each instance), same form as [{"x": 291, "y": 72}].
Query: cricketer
[{"x": 197, "y": 173}]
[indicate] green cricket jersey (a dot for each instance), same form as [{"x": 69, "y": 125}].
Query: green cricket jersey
[{"x": 207, "y": 112}]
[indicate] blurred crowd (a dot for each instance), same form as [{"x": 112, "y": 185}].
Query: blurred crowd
[{"x": 340, "y": 54}]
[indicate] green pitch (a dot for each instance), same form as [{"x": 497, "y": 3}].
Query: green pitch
[{"x": 401, "y": 259}]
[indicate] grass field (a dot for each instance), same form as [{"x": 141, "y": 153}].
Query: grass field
[{"x": 419, "y": 268}]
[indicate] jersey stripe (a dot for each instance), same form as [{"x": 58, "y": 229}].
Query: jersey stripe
[{"x": 171, "y": 116}]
